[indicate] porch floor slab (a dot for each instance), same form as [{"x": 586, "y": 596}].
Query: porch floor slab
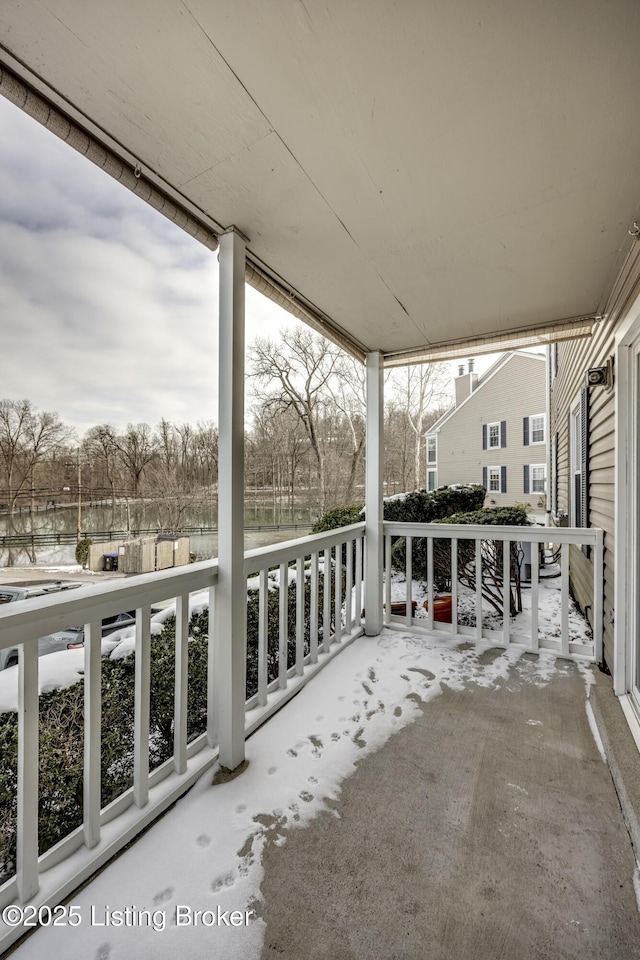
[
  {"x": 422, "y": 797},
  {"x": 487, "y": 828}
]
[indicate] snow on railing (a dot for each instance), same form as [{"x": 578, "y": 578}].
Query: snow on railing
[
  {"x": 503, "y": 569},
  {"x": 314, "y": 574}
]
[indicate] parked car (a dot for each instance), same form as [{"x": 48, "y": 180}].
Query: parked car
[
  {"x": 10, "y": 593},
  {"x": 68, "y": 639},
  {"x": 72, "y": 638}
]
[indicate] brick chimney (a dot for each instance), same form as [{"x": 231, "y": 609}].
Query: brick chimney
[{"x": 465, "y": 383}]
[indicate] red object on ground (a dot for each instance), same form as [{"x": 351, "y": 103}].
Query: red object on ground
[
  {"x": 399, "y": 608},
  {"x": 441, "y": 608}
]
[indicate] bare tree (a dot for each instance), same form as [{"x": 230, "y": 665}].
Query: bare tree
[
  {"x": 348, "y": 391},
  {"x": 419, "y": 389},
  {"x": 27, "y": 437},
  {"x": 294, "y": 374},
  {"x": 137, "y": 448},
  {"x": 100, "y": 445}
]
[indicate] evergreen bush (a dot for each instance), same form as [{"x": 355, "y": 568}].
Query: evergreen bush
[{"x": 82, "y": 551}]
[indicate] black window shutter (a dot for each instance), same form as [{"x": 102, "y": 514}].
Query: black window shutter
[
  {"x": 485, "y": 482},
  {"x": 555, "y": 359},
  {"x": 525, "y": 431},
  {"x": 503, "y": 433},
  {"x": 484, "y": 436},
  {"x": 503, "y": 479},
  {"x": 526, "y": 478}
]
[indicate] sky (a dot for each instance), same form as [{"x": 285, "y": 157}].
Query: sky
[{"x": 108, "y": 311}]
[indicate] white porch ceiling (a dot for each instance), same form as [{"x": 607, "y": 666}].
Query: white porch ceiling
[{"x": 421, "y": 172}]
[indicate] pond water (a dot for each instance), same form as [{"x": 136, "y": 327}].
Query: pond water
[{"x": 141, "y": 516}]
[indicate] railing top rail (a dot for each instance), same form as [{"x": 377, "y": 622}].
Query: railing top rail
[
  {"x": 43, "y": 615},
  {"x": 475, "y": 531},
  {"x": 264, "y": 557}
]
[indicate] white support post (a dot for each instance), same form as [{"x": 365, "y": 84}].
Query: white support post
[
  {"x": 564, "y": 600},
  {"x": 263, "y": 627},
  {"x": 27, "y": 813},
  {"x": 92, "y": 739},
  {"x": 231, "y": 593},
  {"x": 212, "y": 733},
  {"x": 283, "y": 625},
  {"x": 181, "y": 684},
  {"x": 506, "y": 591},
  {"x": 535, "y": 578},
  {"x": 314, "y": 610},
  {"x": 598, "y": 595},
  {"x": 141, "y": 707},
  {"x": 373, "y": 496},
  {"x": 478, "y": 575}
]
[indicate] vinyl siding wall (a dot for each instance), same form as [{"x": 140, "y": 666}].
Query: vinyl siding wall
[
  {"x": 574, "y": 359},
  {"x": 516, "y": 391}
]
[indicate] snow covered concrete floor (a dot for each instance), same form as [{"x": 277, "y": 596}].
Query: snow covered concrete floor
[{"x": 206, "y": 853}]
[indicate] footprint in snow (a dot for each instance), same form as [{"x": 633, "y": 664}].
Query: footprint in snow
[
  {"x": 357, "y": 738},
  {"x": 241, "y": 808},
  {"x": 224, "y": 880},
  {"x": 163, "y": 896},
  {"x": 306, "y": 796},
  {"x": 272, "y": 770},
  {"x": 203, "y": 840},
  {"x": 103, "y": 952}
]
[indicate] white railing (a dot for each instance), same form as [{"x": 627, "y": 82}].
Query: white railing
[
  {"x": 326, "y": 569},
  {"x": 510, "y": 633}
]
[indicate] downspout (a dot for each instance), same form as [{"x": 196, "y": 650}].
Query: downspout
[{"x": 548, "y": 433}]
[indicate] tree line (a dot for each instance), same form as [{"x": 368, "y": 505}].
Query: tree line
[{"x": 304, "y": 443}]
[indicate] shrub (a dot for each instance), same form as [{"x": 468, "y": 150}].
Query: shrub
[
  {"x": 422, "y": 507},
  {"x": 61, "y": 720},
  {"x": 61, "y": 730},
  {"x": 82, "y": 551},
  {"x": 338, "y": 517},
  {"x": 491, "y": 552}
]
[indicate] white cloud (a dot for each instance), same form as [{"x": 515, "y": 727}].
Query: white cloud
[{"x": 109, "y": 311}]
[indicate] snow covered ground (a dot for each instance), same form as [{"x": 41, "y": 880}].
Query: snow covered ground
[
  {"x": 549, "y": 596},
  {"x": 205, "y": 854}
]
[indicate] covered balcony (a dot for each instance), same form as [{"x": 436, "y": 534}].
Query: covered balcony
[{"x": 418, "y": 183}]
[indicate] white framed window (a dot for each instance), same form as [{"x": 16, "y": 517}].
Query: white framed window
[
  {"x": 494, "y": 479},
  {"x": 535, "y": 478},
  {"x": 534, "y": 429},
  {"x": 432, "y": 480},
  {"x": 494, "y": 435},
  {"x": 432, "y": 454}
]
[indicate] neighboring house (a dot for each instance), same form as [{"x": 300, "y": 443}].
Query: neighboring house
[
  {"x": 496, "y": 434},
  {"x": 595, "y": 469}
]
